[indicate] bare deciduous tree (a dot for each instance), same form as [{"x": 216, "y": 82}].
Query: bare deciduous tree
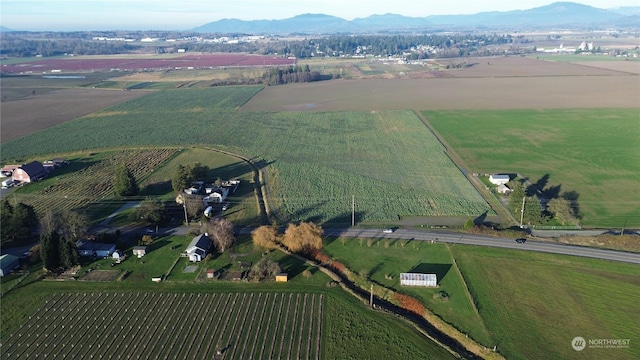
[{"x": 220, "y": 230}]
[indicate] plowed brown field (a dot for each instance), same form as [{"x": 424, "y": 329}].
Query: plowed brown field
[{"x": 38, "y": 112}]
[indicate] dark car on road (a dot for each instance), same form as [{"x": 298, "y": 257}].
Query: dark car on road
[{"x": 521, "y": 240}]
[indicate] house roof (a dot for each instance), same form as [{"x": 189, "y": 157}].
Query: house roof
[
  {"x": 33, "y": 168},
  {"x": 140, "y": 247},
  {"x": 94, "y": 246},
  {"x": 8, "y": 260},
  {"x": 200, "y": 242},
  {"x": 499, "y": 176}
]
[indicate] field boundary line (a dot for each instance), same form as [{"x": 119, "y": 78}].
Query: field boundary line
[
  {"x": 464, "y": 169},
  {"x": 466, "y": 290}
]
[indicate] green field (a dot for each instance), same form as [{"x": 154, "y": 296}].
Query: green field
[
  {"x": 384, "y": 260},
  {"x": 317, "y": 161},
  {"x": 531, "y": 305},
  {"x": 592, "y": 152},
  {"x": 534, "y": 304}
]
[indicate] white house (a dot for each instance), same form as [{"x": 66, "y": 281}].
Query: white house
[
  {"x": 499, "y": 179},
  {"x": 118, "y": 255},
  {"x": 198, "y": 248},
  {"x": 418, "y": 279}
]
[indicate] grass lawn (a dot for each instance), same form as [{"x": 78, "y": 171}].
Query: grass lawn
[
  {"x": 384, "y": 260},
  {"x": 534, "y": 304},
  {"x": 592, "y": 153}
]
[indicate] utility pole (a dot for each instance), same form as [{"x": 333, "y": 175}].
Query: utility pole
[
  {"x": 522, "y": 211},
  {"x": 184, "y": 206},
  {"x": 371, "y": 297},
  {"x": 353, "y": 210}
]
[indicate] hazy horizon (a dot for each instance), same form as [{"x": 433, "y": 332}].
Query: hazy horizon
[{"x": 77, "y": 15}]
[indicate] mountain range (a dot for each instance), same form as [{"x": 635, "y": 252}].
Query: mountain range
[{"x": 559, "y": 14}]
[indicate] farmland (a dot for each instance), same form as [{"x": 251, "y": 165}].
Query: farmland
[
  {"x": 125, "y": 63},
  {"x": 534, "y": 304},
  {"x": 91, "y": 181},
  {"x": 50, "y": 106},
  {"x": 590, "y": 152},
  {"x": 146, "y": 322},
  {"x": 301, "y": 149},
  {"x": 239, "y": 325},
  {"x": 382, "y": 261},
  {"x": 523, "y": 299}
]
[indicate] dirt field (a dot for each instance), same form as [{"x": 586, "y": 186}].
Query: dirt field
[
  {"x": 632, "y": 67},
  {"x": 523, "y": 66},
  {"x": 542, "y": 92},
  {"x": 38, "y": 112}
]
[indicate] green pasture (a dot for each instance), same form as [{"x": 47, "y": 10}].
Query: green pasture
[
  {"x": 390, "y": 162},
  {"x": 591, "y": 152},
  {"x": 382, "y": 261},
  {"x": 534, "y": 304}
]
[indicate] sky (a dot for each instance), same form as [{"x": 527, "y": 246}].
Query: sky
[{"x": 70, "y": 15}]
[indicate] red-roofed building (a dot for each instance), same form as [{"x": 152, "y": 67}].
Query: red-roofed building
[{"x": 30, "y": 172}]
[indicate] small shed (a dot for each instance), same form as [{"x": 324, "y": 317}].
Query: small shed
[
  {"x": 139, "y": 251},
  {"x": 211, "y": 273},
  {"x": 504, "y": 189},
  {"x": 117, "y": 255},
  {"x": 8, "y": 263},
  {"x": 282, "y": 277},
  {"x": 418, "y": 279}
]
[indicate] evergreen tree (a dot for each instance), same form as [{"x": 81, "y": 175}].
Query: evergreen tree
[
  {"x": 16, "y": 221},
  {"x": 179, "y": 180},
  {"x": 50, "y": 250},
  {"x": 124, "y": 183}
]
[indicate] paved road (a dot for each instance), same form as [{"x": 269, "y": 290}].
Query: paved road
[{"x": 454, "y": 238}]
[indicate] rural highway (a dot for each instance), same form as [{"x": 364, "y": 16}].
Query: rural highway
[{"x": 467, "y": 239}]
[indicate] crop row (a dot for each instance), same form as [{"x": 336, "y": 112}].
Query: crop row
[
  {"x": 388, "y": 160},
  {"x": 171, "y": 326},
  {"x": 94, "y": 182}
]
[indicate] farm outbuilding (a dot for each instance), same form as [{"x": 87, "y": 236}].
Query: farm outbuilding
[
  {"x": 211, "y": 273},
  {"x": 418, "y": 279},
  {"x": 117, "y": 255},
  {"x": 499, "y": 179},
  {"x": 30, "y": 172},
  {"x": 198, "y": 248},
  {"x": 91, "y": 248},
  {"x": 504, "y": 189},
  {"x": 139, "y": 251},
  {"x": 8, "y": 262}
]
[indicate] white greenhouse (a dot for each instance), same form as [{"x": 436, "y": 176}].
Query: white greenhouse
[{"x": 417, "y": 279}]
